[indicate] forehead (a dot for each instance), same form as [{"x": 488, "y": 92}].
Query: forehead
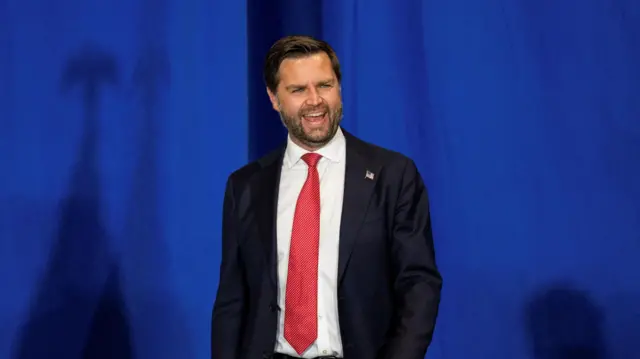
[{"x": 314, "y": 67}]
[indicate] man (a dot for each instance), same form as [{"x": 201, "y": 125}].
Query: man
[{"x": 327, "y": 249}]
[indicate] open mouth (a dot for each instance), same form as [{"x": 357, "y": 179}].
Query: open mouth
[{"x": 315, "y": 117}]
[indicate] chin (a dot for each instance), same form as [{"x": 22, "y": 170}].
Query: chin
[
  {"x": 320, "y": 137},
  {"x": 317, "y": 133}
]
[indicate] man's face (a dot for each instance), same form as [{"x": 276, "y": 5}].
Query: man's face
[{"x": 308, "y": 100}]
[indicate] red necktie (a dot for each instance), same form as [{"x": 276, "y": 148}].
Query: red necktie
[{"x": 301, "y": 300}]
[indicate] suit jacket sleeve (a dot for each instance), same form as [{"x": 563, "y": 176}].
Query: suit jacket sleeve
[
  {"x": 417, "y": 283},
  {"x": 228, "y": 309}
]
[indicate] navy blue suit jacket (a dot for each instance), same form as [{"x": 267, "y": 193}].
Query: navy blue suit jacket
[{"x": 388, "y": 283}]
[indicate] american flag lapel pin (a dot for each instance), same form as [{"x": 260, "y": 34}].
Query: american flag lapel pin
[{"x": 369, "y": 175}]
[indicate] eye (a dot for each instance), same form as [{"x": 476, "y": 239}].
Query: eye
[{"x": 297, "y": 90}]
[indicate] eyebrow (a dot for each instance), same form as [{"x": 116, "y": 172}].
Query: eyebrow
[{"x": 323, "y": 82}]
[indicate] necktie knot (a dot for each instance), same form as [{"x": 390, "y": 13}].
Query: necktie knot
[{"x": 311, "y": 158}]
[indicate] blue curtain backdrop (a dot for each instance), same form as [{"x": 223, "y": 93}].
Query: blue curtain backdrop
[{"x": 120, "y": 121}]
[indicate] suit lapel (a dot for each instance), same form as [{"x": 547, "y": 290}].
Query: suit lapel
[
  {"x": 361, "y": 175},
  {"x": 266, "y": 188}
]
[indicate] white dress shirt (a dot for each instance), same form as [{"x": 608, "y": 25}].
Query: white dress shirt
[{"x": 331, "y": 169}]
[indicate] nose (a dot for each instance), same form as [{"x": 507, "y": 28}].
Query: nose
[{"x": 314, "y": 97}]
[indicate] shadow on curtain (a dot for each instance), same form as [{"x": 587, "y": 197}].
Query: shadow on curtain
[
  {"x": 565, "y": 323},
  {"x": 79, "y": 306}
]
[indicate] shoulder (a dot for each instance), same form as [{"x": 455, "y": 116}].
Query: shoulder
[
  {"x": 391, "y": 160},
  {"x": 248, "y": 173},
  {"x": 398, "y": 172}
]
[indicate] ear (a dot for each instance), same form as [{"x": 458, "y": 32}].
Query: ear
[{"x": 274, "y": 100}]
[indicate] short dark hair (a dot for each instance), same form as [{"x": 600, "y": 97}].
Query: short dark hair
[{"x": 295, "y": 47}]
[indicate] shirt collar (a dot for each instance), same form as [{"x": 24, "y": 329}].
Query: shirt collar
[{"x": 333, "y": 151}]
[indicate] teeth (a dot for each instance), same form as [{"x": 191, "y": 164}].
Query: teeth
[{"x": 315, "y": 115}]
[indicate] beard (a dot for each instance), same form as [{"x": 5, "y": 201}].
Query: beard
[{"x": 315, "y": 137}]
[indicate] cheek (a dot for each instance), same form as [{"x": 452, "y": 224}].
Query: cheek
[
  {"x": 290, "y": 108},
  {"x": 333, "y": 100}
]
